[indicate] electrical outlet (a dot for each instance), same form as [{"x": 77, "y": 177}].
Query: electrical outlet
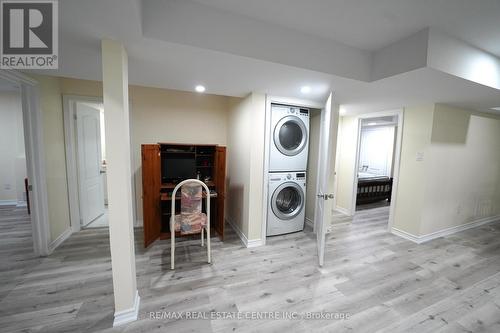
[{"x": 7, "y": 187}]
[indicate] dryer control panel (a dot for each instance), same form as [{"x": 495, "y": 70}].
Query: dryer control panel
[{"x": 291, "y": 110}]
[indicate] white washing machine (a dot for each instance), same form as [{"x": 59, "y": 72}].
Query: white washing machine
[
  {"x": 286, "y": 203},
  {"x": 289, "y": 138}
]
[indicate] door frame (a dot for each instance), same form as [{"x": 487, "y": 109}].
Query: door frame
[
  {"x": 267, "y": 142},
  {"x": 35, "y": 159},
  {"x": 69, "y": 111},
  {"x": 397, "y": 159}
]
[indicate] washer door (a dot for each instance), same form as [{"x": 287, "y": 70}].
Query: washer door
[
  {"x": 287, "y": 201},
  {"x": 290, "y": 135}
]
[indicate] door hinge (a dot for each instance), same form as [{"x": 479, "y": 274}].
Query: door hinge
[
  {"x": 30, "y": 187},
  {"x": 74, "y": 116}
]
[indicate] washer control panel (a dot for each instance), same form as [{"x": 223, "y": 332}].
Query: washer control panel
[{"x": 292, "y": 176}]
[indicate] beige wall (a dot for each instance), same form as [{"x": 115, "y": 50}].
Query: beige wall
[
  {"x": 55, "y": 157},
  {"x": 456, "y": 177},
  {"x": 312, "y": 163},
  {"x": 463, "y": 170},
  {"x": 417, "y": 128},
  {"x": 346, "y": 154},
  {"x": 156, "y": 115},
  {"x": 246, "y": 126},
  {"x": 13, "y": 159},
  {"x": 159, "y": 115}
]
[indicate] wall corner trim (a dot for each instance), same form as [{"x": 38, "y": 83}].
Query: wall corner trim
[
  {"x": 129, "y": 315},
  {"x": 59, "y": 240},
  {"x": 445, "y": 232},
  {"x": 248, "y": 243}
]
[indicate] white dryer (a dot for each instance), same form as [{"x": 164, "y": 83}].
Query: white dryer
[
  {"x": 286, "y": 203},
  {"x": 289, "y": 138}
]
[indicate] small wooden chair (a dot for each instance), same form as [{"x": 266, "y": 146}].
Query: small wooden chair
[{"x": 191, "y": 220}]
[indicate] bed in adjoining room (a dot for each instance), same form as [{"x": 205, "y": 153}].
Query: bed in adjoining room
[{"x": 373, "y": 188}]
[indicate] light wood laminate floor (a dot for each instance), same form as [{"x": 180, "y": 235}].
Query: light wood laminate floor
[{"x": 383, "y": 282}]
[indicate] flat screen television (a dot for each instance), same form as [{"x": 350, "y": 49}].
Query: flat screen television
[{"x": 178, "y": 168}]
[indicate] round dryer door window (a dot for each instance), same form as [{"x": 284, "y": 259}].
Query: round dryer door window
[
  {"x": 290, "y": 135},
  {"x": 287, "y": 201}
]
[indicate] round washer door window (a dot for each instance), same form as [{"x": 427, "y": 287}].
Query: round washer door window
[
  {"x": 287, "y": 201},
  {"x": 290, "y": 136}
]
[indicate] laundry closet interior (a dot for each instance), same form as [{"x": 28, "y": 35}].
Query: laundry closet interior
[{"x": 291, "y": 175}]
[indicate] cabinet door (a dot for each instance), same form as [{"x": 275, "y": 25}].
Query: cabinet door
[
  {"x": 151, "y": 183},
  {"x": 220, "y": 184}
]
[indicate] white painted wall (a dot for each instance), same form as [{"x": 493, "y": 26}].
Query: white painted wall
[
  {"x": 312, "y": 163},
  {"x": 458, "y": 58},
  {"x": 346, "y": 154},
  {"x": 246, "y": 128},
  {"x": 12, "y": 154},
  {"x": 120, "y": 214}
]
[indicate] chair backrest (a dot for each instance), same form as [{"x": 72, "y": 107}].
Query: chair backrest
[
  {"x": 191, "y": 195},
  {"x": 191, "y": 205}
]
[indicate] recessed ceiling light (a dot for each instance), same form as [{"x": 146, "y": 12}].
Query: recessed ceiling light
[
  {"x": 199, "y": 88},
  {"x": 305, "y": 89},
  {"x": 371, "y": 124},
  {"x": 496, "y": 108}
]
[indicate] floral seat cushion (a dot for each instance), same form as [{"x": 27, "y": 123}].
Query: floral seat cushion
[
  {"x": 190, "y": 223},
  {"x": 191, "y": 220}
]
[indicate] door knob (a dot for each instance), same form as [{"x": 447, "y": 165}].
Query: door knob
[{"x": 325, "y": 196}]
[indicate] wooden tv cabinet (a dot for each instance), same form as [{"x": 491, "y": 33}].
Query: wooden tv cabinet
[{"x": 156, "y": 190}]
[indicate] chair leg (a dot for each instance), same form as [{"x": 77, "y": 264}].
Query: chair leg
[
  {"x": 172, "y": 248},
  {"x": 202, "y": 243},
  {"x": 208, "y": 246}
]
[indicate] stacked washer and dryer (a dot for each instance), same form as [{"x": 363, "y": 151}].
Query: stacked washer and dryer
[{"x": 287, "y": 169}]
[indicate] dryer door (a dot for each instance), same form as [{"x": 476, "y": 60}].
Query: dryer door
[
  {"x": 290, "y": 135},
  {"x": 287, "y": 201}
]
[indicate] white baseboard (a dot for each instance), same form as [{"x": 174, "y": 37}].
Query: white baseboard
[
  {"x": 444, "y": 232},
  {"x": 139, "y": 223},
  {"x": 59, "y": 240},
  {"x": 129, "y": 315},
  {"x": 8, "y": 202},
  {"x": 343, "y": 210},
  {"x": 21, "y": 204},
  {"x": 246, "y": 242},
  {"x": 254, "y": 243}
]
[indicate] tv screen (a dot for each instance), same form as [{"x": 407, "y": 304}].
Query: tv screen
[{"x": 178, "y": 168}]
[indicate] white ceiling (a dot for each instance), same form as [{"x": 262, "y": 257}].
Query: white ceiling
[
  {"x": 180, "y": 60},
  {"x": 371, "y": 25}
]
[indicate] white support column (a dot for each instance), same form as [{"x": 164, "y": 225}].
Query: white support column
[{"x": 119, "y": 177}]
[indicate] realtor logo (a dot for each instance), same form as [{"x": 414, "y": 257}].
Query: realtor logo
[{"x": 29, "y": 36}]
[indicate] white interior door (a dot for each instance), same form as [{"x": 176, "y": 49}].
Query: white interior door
[
  {"x": 326, "y": 174},
  {"x": 90, "y": 178}
]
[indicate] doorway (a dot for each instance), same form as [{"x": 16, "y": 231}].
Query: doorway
[
  {"x": 377, "y": 163},
  {"x": 22, "y": 158},
  {"x": 86, "y": 162}
]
